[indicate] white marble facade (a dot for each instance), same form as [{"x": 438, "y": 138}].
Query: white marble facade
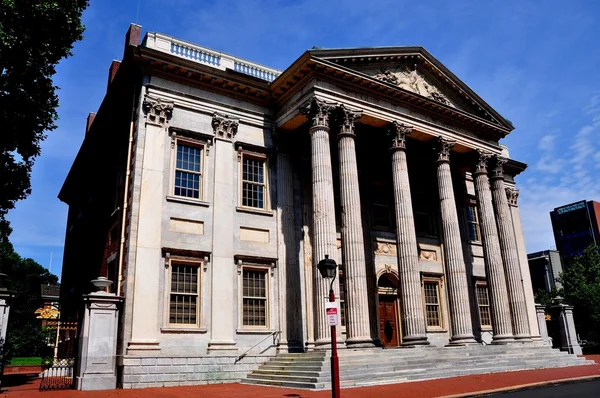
[{"x": 308, "y": 141}]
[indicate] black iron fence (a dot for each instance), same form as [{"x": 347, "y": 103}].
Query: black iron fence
[{"x": 58, "y": 366}]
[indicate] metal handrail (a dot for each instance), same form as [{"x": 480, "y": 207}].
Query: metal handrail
[{"x": 274, "y": 334}]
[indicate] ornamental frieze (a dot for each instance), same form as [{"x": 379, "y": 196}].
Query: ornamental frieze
[
  {"x": 412, "y": 80},
  {"x": 385, "y": 249}
]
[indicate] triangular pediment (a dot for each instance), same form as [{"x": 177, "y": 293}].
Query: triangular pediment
[{"x": 414, "y": 70}]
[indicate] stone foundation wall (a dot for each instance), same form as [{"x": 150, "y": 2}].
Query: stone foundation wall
[{"x": 144, "y": 372}]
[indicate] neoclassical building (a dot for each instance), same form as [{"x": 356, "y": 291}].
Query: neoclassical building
[{"x": 209, "y": 187}]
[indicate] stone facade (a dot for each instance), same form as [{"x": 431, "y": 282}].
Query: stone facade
[{"x": 235, "y": 180}]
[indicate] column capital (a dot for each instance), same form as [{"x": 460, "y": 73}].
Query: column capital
[
  {"x": 498, "y": 167},
  {"x": 224, "y": 126},
  {"x": 443, "y": 147},
  {"x": 512, "y": 194},
  {"x": 346, "y": 118},
  {"x": 482, "y": 160},
  {"x": 318, "y": 112},
  {"x": 158, "y": 111},
  {"x": 398, "y": 131}
]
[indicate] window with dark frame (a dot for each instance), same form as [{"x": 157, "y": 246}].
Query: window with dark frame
[
  {"x": 473, "y": 223},
  {"x": 483, "y": 303},
  {"x": 342, "y": 281},
  {"x": 253, "y": 182},
  {"x": 254, "y": 297},
  {"x": 431, "y": 292},
  {"x": 183, "y": 296},
  {"x": 188, "y": 171}
]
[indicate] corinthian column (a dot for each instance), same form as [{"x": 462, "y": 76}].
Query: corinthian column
[
  {"x": 456, "y": 272},
  {"x": 353, "y": 249},
  {"x": 493, "y": 258},
  {"x": 411, "y": 300},
  {"x": 324, "y": 234},
  {"x": 510, "y": 255}
]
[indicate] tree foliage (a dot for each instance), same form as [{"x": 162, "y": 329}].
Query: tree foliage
[
  {"x": 34, "y": 36},
  {"x": 581, "y": 288},
  {"x": 25, "y": 277}
]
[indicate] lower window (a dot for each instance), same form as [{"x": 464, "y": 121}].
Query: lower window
[
  {"x": 431, "y": 295},
  {"x": 183, "y": 296},
  {"x": 254, "y": 298},
  {"x": 483, "y": 304}
]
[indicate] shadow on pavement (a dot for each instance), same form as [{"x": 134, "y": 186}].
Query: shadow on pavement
[{"x": 23, "y": 381}]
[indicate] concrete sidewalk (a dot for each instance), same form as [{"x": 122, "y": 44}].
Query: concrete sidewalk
[{"x": 450, "y": 387}]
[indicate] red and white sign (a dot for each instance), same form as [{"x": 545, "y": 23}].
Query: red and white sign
[{"x": 332, "y": 311}]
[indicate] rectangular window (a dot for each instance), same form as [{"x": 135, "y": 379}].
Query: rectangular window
[
  {"x": 183, "y": 300},
  {"x": 431, "y": 292},
  {"x": 188, "y": 171},
  {"x": 473, "y": 223},
  {"x": 483, "y": 303},
  {"x": 254, "y": 298},
  {"x": 253, "y": 182}
]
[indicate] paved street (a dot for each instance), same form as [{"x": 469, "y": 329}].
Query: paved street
[
  {"x": 586, "y": 389},
  {"x": 22, "y": 386}
]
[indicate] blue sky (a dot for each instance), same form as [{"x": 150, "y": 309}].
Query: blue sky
[{"x": 536, "y": 62}]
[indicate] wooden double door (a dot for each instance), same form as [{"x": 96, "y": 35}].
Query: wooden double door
[{"x": 389, "y": 325}]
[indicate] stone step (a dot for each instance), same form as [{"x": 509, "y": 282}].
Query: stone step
[{"x": 291, "y": 384}]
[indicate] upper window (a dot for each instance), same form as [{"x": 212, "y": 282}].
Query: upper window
[
  {"x": 254, "y": 185},
  {"x": 254, "y": 298},
  {"x": 483, "y": 303},
  {"x": 183, "y": 296},
  {"x": 342, "y": 281},
  {"x": 431, "y": 294},
  {"x": 188, "y": 171},
  {"x": 473, "y": 223}
]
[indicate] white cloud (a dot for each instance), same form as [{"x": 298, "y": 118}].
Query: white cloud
[{"x": 547, "y": 142}]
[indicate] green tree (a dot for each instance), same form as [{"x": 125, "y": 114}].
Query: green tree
[
  {"x": 25, "y": 277},
  {"x": 546, "y": 298},
  {"x": 581, "y": 288},
  {"x": 34, "y": 36}
]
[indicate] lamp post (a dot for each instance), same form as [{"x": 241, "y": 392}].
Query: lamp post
[{"x": 328, "y": 269}]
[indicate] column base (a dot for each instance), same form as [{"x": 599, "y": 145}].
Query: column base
[
  {"x": 461, "y": 340},
  {"x": 224, "y": 347},
  {"x": 95, "y": 382},
  {"x": 414, "y": 341},
  {"x": 523, "y": 338},
  {"x": 360, "y": 342},
  {"x": 502, "y": 339},
  {"x": 325, "y": 344}
]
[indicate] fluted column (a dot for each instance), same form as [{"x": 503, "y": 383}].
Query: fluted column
[
  {"x": 501, "y": 322},
  {"x": 324, "y": 234},
  {"x": 413, "y": 317},
  {"x": 510, "y": 256},
  {"x": 353, "y": 249},
  {"x": 456, "y": 271}
]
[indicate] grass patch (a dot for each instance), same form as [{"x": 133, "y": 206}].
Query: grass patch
[{"x": 26, "y": 361}]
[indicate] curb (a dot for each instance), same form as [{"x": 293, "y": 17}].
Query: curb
[{"x": 521, "y": 387}]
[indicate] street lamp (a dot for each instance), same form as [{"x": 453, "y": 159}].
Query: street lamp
[{"x": 328, "y": 269}]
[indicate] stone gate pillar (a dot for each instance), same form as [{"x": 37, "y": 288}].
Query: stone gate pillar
[{"x": 98, "y": 340}]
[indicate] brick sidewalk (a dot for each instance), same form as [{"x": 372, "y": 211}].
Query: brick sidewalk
[{"x": 419, "y": 389}]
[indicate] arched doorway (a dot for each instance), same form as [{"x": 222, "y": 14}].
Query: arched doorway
[{"x": 389, "y": 317}]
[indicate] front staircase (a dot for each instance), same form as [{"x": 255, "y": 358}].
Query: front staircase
[{"x": 364, "y": 367}]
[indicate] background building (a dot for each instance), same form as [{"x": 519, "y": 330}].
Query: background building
[
  {"x": 545, "y": 267},
  {"x": 575, "y": 226}
]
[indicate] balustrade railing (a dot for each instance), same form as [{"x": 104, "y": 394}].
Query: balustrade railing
[{"x": 208, "y": 57}]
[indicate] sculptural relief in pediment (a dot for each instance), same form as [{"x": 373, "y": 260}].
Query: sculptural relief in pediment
[{"x": 411, "y": 79}]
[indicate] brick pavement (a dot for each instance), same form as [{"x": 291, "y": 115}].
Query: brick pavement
[{"x": 420, "y": 389}]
